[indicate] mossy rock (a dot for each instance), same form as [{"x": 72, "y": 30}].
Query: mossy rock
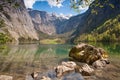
[{"x": 87, "y": 53}]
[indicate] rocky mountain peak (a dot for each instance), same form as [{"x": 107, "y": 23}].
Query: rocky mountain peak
[{"x": 46, "y": 22}]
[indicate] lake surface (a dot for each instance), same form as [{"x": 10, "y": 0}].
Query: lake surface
[{"x": 22, "y": 60}]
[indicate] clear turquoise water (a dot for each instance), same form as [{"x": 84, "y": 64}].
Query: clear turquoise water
[{"x": 20, "y": 60}]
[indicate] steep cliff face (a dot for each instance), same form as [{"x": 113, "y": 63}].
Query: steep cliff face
[
  {"x": 45, "y": 22},
  {"x": 98, "y": 12},
  {"x": 18, "y": 23},
  {"x": 70, "y": 24}
]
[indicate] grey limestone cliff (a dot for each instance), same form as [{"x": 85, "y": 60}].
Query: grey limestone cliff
[{"x": 18, "y": 23}]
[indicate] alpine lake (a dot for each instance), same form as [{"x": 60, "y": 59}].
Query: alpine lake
[{"x": 21, "y": 60}]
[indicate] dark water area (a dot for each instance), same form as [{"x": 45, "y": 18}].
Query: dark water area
[{"x": 21, "y": 60}]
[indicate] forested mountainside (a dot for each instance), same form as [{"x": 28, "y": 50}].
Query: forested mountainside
[
  {"x": 15, "y": 22},
  {"x": 100, "y": 23},
  {"x": 107, "y": 32}
]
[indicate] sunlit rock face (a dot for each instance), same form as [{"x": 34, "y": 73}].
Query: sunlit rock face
[
  {"x": 45, "y": 22},
  {"x": 88, "y": 53},
  {"x": 18, "y": 22}
]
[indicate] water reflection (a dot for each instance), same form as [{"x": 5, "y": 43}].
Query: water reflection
[
  {"x": 24, "y": 59},
  {"x": 20, "y": 60}
]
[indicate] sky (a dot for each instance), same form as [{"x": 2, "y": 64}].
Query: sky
[{"x": 62, "y": 8}]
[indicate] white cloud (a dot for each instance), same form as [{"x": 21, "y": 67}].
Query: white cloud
[
  {"x": 29, "y": 3},
  {"x": 52, "y": 3},
  {"x": 55, "y": 4}
]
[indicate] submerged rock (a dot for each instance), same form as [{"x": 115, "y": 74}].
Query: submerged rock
[
  {"x": 5, "y": 77},
  {"x": 87, "y": 53},
  {"x": 73, "y": 76}
]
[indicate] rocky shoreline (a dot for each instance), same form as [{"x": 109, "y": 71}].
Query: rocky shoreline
[{"x": 88, "y": 63}]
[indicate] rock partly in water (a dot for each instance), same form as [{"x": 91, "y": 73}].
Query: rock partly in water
[
  {"x": 100, "y": 63},
  {"x": 87, "y": 53},
  {"x": 64, "y": 68},
  {"x": 51, "y": 75},
  {"x": 86, "y": 70},
  {"x": 5, "y": 77}
]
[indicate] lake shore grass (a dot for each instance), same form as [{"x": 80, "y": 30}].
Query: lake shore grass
[{"x": 52, "y": 41}]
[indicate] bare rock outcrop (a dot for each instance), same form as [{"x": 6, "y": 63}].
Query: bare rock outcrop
[{"x": 18, "y": 23}]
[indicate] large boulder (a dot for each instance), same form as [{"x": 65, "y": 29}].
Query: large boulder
[{"x": 87, "y": 53}]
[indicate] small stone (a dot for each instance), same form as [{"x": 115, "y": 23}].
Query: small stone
[
  {"x": 35, "y": 75},
  {"x": 5, "y": 77}
]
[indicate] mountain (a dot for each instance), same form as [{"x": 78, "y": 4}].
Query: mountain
[
  {"x": 71, "y": 24},
  {"x": 46, "y": 22},
  {"x": 15, "y": 21},
  {"x": 18, "y": 24},
  {"x": 98, "y": 14},
  {"x": 107, "y": 32}
]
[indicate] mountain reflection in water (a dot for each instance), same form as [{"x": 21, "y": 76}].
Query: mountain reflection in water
[{"x": 21, "y": 60}]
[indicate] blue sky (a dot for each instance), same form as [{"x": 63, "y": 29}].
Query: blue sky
[{"x": 49, "y": 6}]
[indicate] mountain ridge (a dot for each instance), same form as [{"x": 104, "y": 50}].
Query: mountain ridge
[
  {"x": 98, "y": 13},
  {"x": 22, "y": 24}
]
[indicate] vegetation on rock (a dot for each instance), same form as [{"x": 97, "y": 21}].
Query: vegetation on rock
[
  {"x": 3, "y": 38},
  {"x": 2, "y": 23},
  {"x": 107, "y": 32}
]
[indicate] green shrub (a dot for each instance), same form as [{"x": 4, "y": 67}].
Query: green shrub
[
  {"x": 2, "y": 23},
  {"x": 3, "y": 38}
]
